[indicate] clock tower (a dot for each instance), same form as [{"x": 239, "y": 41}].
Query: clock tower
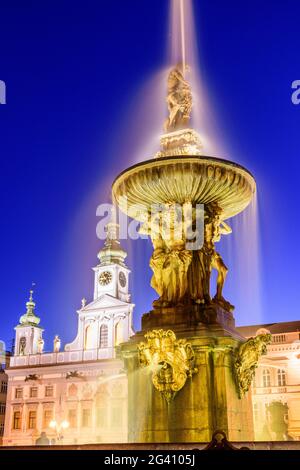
[
  {"x": 106, "y": 322},
  {"x": 111, "y": 274}
]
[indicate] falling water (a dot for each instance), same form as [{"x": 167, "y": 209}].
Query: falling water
[
  {"x": 242, "y": 252},
  {"x": 241, "y": 249}
]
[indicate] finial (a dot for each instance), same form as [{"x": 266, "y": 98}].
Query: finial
[
  {"x": 112, "y": 232},
  {"x": 83, "y": 302},
  {"x": 112, "y": 251},
  {"x": 31, "y": 292},
  {"x": 30, "y": 318}
]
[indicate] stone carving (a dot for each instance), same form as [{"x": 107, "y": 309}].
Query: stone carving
[
  {"x": 179, "y": 101},
  {"x": 74, "y": 375},
  {"x": 40, "y": 345},
  {"x": 32, "y": 377},
  {"x": 172, "y": 361},
  {"x": 56, "y": 344},
  {"x": 246, "y": 361}
]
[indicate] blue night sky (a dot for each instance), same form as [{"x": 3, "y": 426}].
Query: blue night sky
[{"x": 74, "y": 72}]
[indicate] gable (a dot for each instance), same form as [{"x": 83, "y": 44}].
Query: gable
[{"x": 105, "y": 301}]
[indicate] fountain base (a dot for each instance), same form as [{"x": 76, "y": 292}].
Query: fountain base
[{"x": 208, "y": 401}]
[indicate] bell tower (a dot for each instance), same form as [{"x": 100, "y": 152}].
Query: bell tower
[
  {"x": 28, "y": 331},
  {"x": 111, "y": 274},
  {"x": 106, "y": 322}
]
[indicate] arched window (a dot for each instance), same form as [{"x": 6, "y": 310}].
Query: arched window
[
  {"x": 88, "y": 337},
  {"x": 22, "y": 346},
  {"x": 281, "y": 378},
  {"x": 118, "y": 334},
  {"x": 103, "y": 343},
  {"x": 266, "y": 378}
]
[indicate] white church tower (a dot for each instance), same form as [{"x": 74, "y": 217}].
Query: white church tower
[
  {"x": 107, "y": 320},
  {"x": 28, "y": 333}
]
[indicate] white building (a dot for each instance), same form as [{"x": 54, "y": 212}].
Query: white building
[
  {"x": 82, "y": 390},
  {"x": 277, "y": 381}
]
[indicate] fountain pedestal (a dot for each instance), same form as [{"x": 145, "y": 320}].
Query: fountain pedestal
[{"x": 209, "y": 399}]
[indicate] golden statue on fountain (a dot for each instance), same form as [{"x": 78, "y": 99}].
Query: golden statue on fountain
[
  {"x": 179, "y": 100},
  {"x": 181, "y": 176}
]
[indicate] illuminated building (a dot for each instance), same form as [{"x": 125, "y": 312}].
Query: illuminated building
[
  {"x": 84, "y": 385},
  {"x": 277, "y": 381}
]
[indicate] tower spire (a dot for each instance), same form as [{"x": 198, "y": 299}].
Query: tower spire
[
  {"x": 112, "y": 252},
  {"x": 30, "y": 318}
]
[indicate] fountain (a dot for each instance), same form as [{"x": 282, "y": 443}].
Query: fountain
[{"x": 189, "y": 370}]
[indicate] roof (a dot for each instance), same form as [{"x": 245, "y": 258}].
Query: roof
[{"x": 273, "y": 328}]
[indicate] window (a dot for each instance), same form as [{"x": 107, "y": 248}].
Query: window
[
  {"x": 48, "y": 416},
  {"x": 19, "y": 393},
  {"x": 22, "y": 346},
  {"x": 49, "y": 391},
  {"x": 116, "y": 417},
  {"x": 17, "y": 420},
  {"x": 88, "y": 337},
  {"x": 32, "y": 420},
  {"x": 1, "y": 429},
  {"x": 2, "y": 408},
  {"x": 281, "y": 378},
  {"x": 266, "y": 378},
  {"x": 72, "y": 418},
  {"x": 3, "y": 387},
  {"x": 101, "y": 418},
  {"x": 86, "y": 418},
  {"x": 33, "y": 392},
  {"x": 278, "y": 339},
  {"x": 103, "y": 336}
]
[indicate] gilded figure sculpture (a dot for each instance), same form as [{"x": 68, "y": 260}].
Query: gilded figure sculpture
[
  {"x": 246, "y": 361},
  {"x": 172, "y": 361},
  {"x": 179, "y": 101},
  {"x": 180, "y": 174},
  {"x": 182, "y": 276}
]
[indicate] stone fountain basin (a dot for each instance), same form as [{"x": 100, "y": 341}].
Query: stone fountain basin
[{"x": 194, "y": 179}]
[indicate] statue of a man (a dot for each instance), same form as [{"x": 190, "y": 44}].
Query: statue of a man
[
  {"x": 56, "y": 344},
  {"x": 41, "y": 344},
  {"x": 170, "y": 260},
  {"x": 179, "y": 101}
]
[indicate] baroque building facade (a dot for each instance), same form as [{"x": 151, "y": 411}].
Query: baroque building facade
[
  {"x": 276, "y": 387},
  {"x": 79, "y": 394}
]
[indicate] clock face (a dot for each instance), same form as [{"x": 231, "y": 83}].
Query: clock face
[
  {"x": 122, "y": 279},
  {"x": 105, "y": 278}
]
